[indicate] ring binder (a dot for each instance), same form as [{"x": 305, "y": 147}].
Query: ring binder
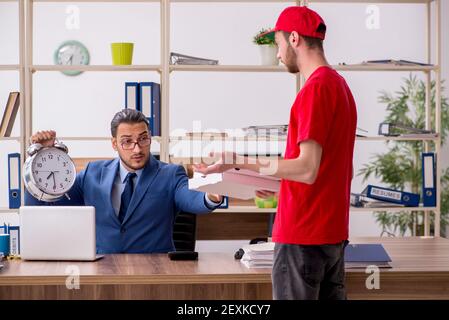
[
  {"x": 428, "y": 179},
  {"x": 150, "y": 105},
  {"x": 407, "y": 199},
  {"x": 132, "y": 95},
  {"x": 14, "y": 186}
]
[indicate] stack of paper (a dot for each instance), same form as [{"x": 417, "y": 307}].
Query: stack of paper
[
  {"x": 177, "y": 58},
  {"x": 258, "y": 255},
  {"x": 397, "y": 62},
  {"x": 266, "y": 130}
]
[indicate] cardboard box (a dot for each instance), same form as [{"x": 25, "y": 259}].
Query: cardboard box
[{"x": 240, "y": 184}]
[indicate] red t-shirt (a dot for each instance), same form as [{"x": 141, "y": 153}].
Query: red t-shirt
[{"x": 324, "y": 111}]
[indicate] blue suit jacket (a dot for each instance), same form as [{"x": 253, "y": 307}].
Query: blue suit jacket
[{"x": 161, "y": 191}]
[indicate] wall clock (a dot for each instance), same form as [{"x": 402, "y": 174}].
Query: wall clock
[{"x": 71, "y": 53}]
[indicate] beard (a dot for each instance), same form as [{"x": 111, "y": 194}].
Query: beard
[
  {"x": 291, "y": 60},
  {"x": 137, "y": 166}
]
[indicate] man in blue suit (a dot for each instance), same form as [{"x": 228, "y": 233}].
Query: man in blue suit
[{"x": 136, "y": 197}]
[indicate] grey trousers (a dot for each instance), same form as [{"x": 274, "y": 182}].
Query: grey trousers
[{"x": 309, "y": 272}]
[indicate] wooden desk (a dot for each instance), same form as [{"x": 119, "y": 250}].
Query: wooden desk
[{"x": 420, "y": 271}]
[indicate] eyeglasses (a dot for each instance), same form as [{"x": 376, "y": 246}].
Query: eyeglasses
[{"x": 129, "y": 144}]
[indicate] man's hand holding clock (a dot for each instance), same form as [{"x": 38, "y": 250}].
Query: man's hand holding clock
[
  {"x": 45, "y": 138},
  {"x": 49, "y": 173}
]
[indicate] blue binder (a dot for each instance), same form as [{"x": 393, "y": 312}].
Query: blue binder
[
  {"x": 428, "y": 180},
  {"x": 407, "y": 199},
  {"x": 150, "y": 105},
  {"x": 14, "y": 186},
  {"x": 366, "y": 253},
  {"x": 132, "y": 95}
]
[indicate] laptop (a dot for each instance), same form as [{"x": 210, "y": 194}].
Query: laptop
[{"x": 57, "y": 233}]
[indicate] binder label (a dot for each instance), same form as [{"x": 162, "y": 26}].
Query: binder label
[
  {"x": 386, "y": 194},
  {"x": 428, "y": 167}
]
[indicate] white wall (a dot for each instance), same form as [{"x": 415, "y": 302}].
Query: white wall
[{"x": 84, "y": 105}]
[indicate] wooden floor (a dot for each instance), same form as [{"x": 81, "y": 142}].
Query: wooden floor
[{"x": 420, "y": 271}]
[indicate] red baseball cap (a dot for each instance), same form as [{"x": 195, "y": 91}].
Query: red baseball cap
[{"x": 301, "y": 19}]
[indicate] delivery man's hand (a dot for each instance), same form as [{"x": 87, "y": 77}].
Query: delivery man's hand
[
  {"x": 265, "y": 194},
  {"x": 45, "y": 138},
  {"x": 223, "y": 161}
]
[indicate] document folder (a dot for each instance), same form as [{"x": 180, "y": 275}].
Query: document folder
[
  {"x": 132, "y": 95},
  {"x": 14, "y": 187},
  {"x": 150, "y": 105},
  {"x": 407, "y": 199},
  {"x": 363, "y": 255},
  {"x": 429, "y": 180}
]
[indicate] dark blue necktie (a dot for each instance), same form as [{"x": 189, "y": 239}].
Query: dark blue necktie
[{"x": 126, "y": 195}]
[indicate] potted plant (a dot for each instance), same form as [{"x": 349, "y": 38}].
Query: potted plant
[
  {"x": 268, "y": 48},
  {"x": 400, "y": 167}
]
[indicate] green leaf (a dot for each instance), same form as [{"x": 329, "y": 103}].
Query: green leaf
[{"x": 400, "y": 167}]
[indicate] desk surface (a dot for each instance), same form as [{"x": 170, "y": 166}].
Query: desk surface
[{"x": 414, "y": 260}]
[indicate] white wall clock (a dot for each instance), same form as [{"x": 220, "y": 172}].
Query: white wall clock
[{"x": 71, "y": 53}]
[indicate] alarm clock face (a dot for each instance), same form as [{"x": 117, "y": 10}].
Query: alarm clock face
[
  {"x": 71, "y": 53},
  {"x": 53, "y": 171}
]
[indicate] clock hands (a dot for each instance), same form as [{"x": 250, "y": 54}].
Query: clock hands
[{"x": 54, "y": 179}]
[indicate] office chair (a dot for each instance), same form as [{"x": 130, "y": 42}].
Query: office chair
[
  {"x": 270, "y": 229},
  {"x": 184, "y": 231}
]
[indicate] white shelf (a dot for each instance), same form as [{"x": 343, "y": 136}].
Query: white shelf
[
  {"x": 283, "y": 139},
  {"x": 246, "y": 209},
  {"x": 383, "y": 67},
  {"x": 382, "y": 138},
  {"x": 10, "y": 139},
  {"x": 370, "y": 1},
  {"x": 213, "y": 68},
  {"x": 247, "y": 1},
  {"x": 206, "y": 138},
  {"x": 393, "y": 209},
  {"x": 156, "y": 68},
  {"x": 249, "y": 209},
  {"x": 312, "y": 1},
  {"x": 228, "y": 68},
  {"x": 281, "y": 68},
  {"x": 9, "y": 67},
  {"x": 124, "y": 1},
  {"x": 8, "y": 210},
  {"x": 155, "y": 138}
]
